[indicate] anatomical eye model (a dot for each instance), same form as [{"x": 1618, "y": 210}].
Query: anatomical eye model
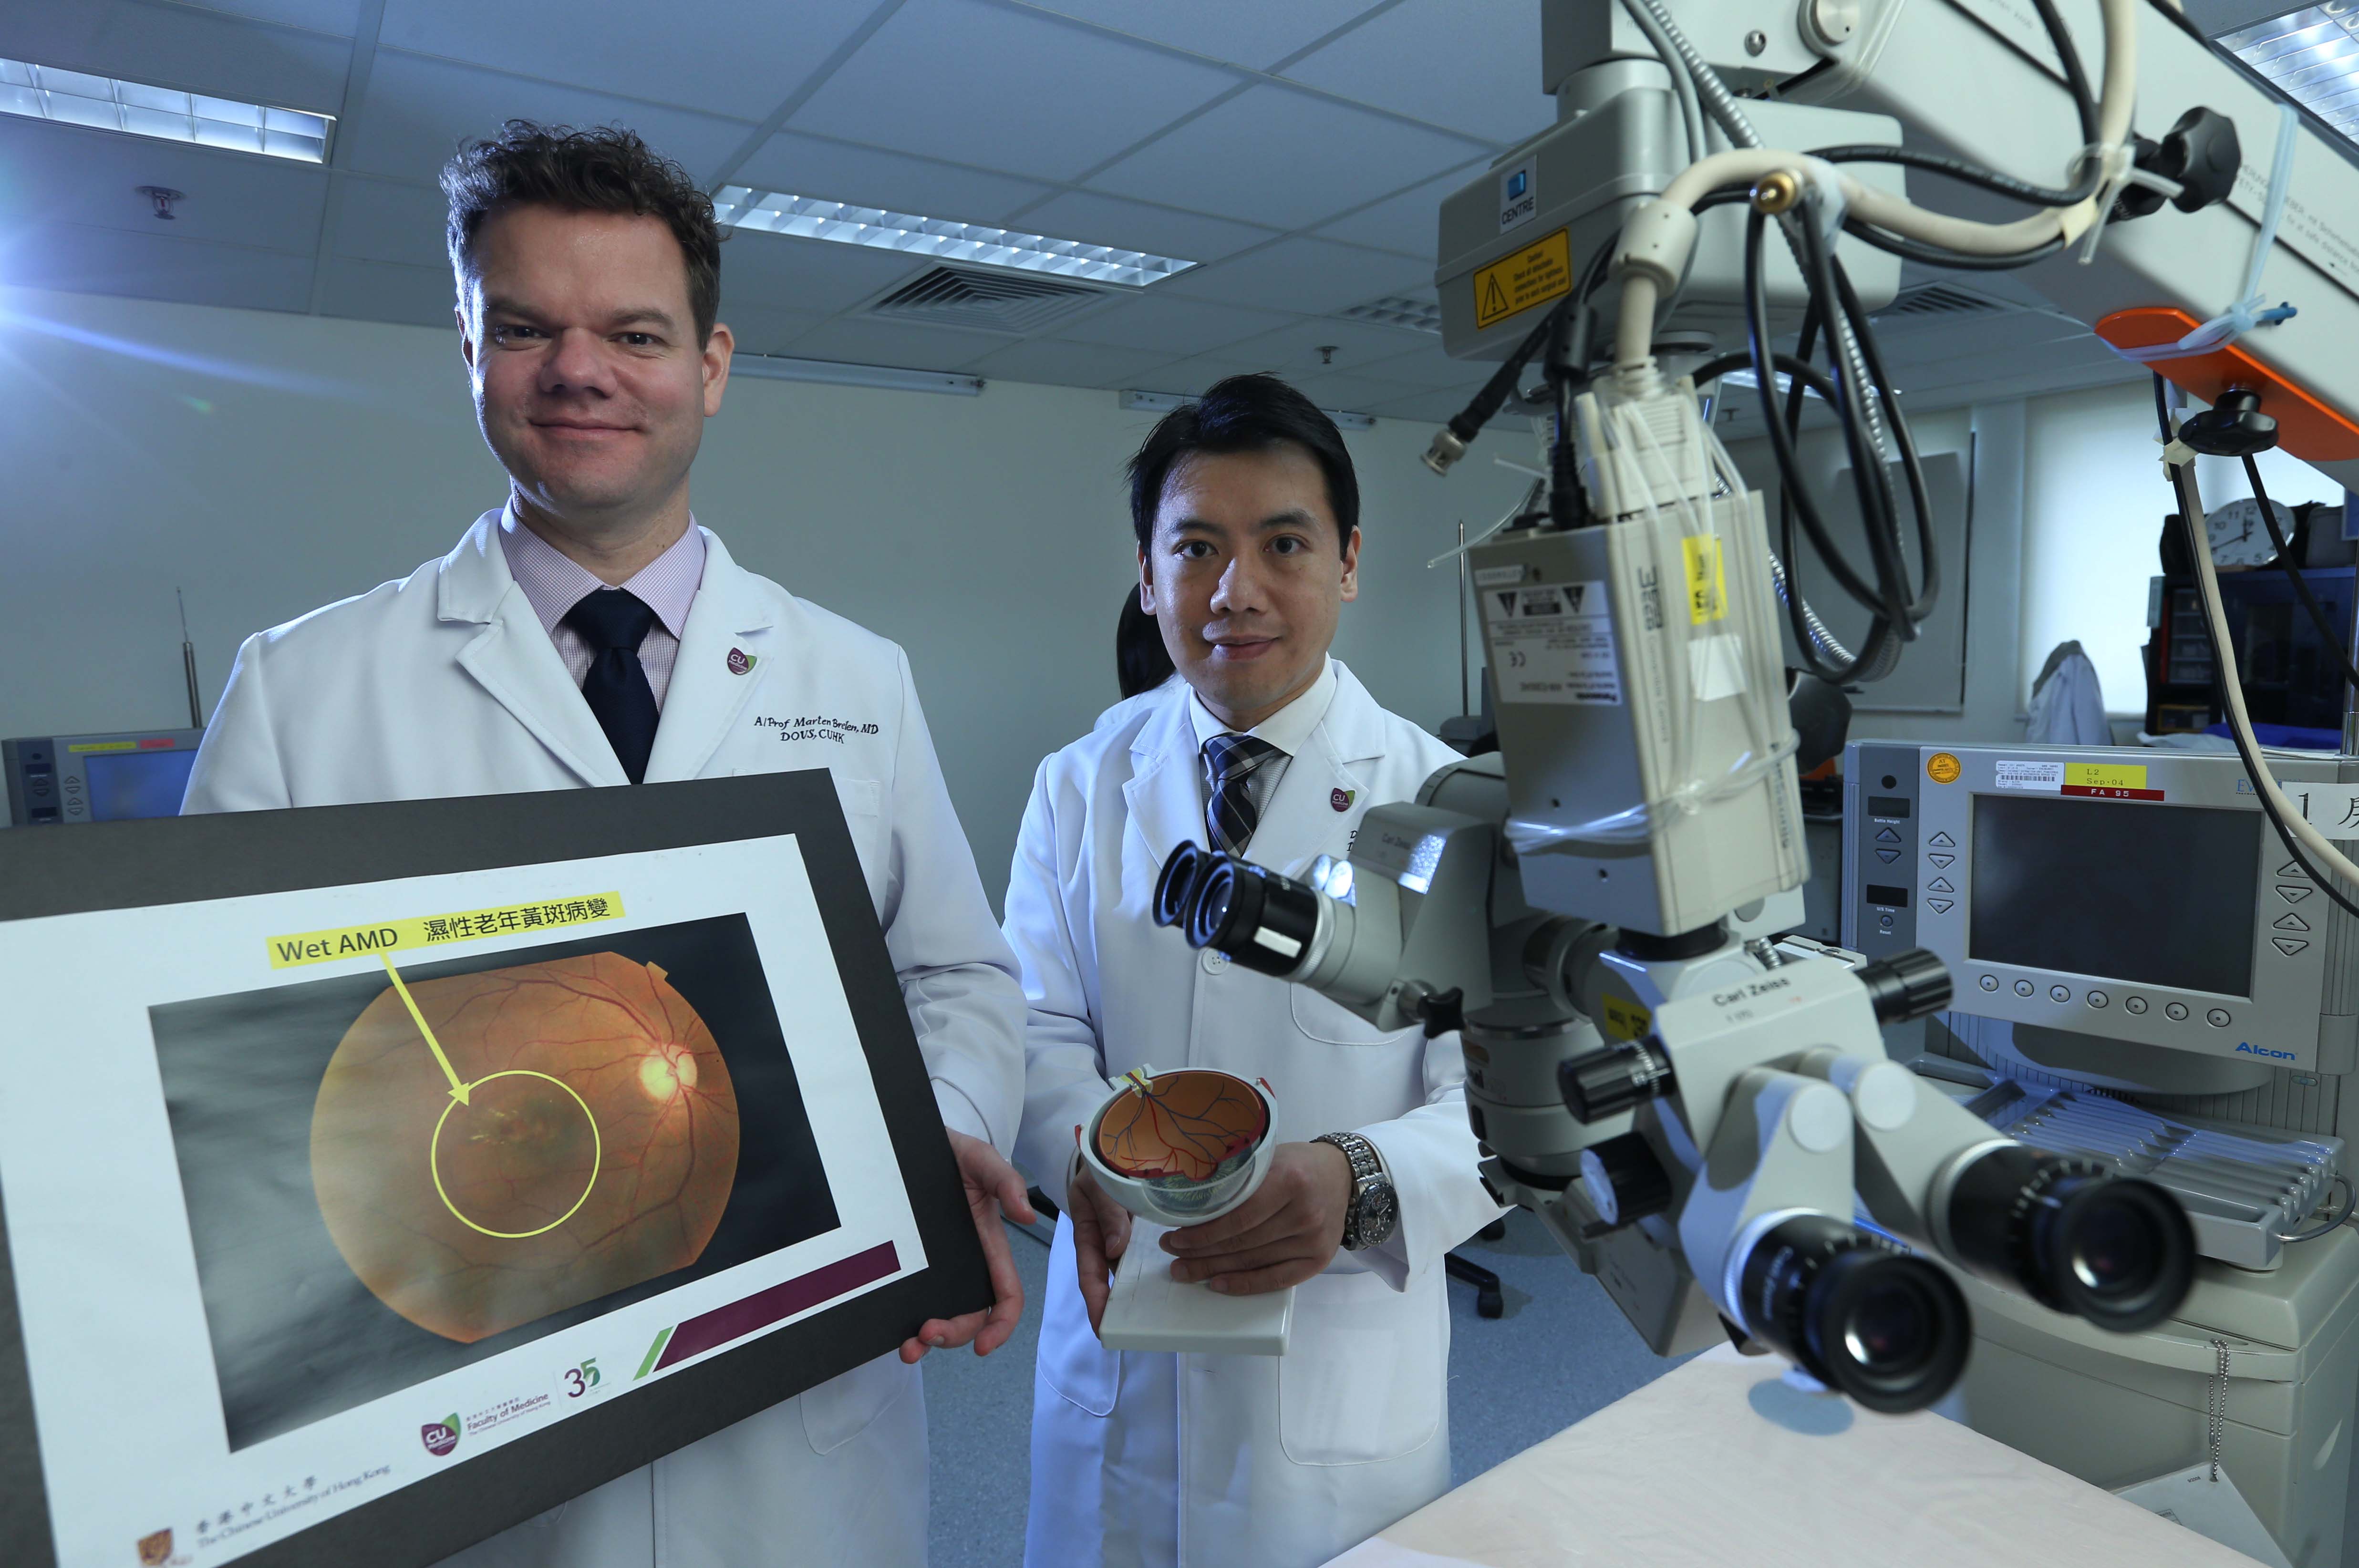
[
  {"x": 1187, "y": 1125},
  {"x": 488, "y": 1149}
]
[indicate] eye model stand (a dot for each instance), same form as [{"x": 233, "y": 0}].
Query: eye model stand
[{"x": 1148, "y": 1310}]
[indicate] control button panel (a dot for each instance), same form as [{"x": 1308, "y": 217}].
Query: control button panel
[
  {"x": 2134, "y": 1005},
  {"x": 2175, "y": 1012},
  {"x": 2099, "y": 999}
]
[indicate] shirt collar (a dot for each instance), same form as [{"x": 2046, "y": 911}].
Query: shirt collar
[
  {"x": 553, "y": 582},
  {"x": 1288, "y": 729}
]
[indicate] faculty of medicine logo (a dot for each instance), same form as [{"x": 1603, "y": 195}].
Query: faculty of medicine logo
[
  {"x": 1340, "y": 799},
  {"x": 156, "y": 1549},
  {"x": 440, "y": 1437},
  {"x": 740, "y": 661}
]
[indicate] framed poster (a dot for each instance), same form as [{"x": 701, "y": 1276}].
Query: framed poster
[{"x": 375, "y": 1177}]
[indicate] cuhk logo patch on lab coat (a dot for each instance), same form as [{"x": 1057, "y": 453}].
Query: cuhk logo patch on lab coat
[
  {"x": 1340, "y": 799},
  {"x": 740, "y": 661}
]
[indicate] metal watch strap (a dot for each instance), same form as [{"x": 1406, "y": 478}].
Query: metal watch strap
[{"x": 1367, "y": 1175}]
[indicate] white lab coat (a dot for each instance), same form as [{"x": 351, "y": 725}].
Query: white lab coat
[
  {"x": 1277, "y": 1462},
  {"x": 2068, "y": 705},
  {"x": 444, "y": 683}
]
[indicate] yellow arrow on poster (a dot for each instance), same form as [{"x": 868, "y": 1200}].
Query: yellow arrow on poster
[{"x": 458, "y": 1089}]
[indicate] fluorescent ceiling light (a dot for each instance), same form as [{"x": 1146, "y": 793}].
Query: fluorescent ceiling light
[
  {"x": 2312, "y": 56},
  {"x": 76, "y": 98},
  {"x": 780, "y": 367},
  {"x": 776, "y": 212}
]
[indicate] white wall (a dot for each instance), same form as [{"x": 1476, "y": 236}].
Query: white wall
[
  {"x": 2094, "y": 503},
  {"x": 1990, "y": 438},
  {"x": 269, "y": 464}
]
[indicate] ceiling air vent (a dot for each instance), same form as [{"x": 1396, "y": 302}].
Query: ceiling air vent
[
  {"x": 1416, "y": 315},
  {"x": 1941, "y": 299},
  {"x": 985, "y": 301}
]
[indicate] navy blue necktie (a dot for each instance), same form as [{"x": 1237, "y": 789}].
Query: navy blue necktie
[
  {"x": 1230, "y": 815},
  {"x": 612, "y": 622}
]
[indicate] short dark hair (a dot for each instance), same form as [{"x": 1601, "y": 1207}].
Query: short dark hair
[
  {"x": 605, "y": 170},
  {"x": 1243, "y": 413}
]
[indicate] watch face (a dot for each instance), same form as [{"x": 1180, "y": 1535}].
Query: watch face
[
  {"x": 2239, "y": 537},
  {"x": 1379, "y": 1211}
]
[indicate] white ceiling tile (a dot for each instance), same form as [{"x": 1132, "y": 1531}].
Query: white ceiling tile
[
  {"x": 1173, "y": 326},
  {"x": 1410, "y": 223},
  {"x": 1004, "y": 89},
  {"x": 1357, "y": 346},
  {"x": 1357, "y": 394},
  {"x": 1250, "y": 32},
  {"x": 179, "y": 45},
  {"x": 736, "y": 59},
  {"x": 1438, "y": 406},
  {"x": 1426, "y": 365},
  {"x": 862, "y": 340},
  {"x": 384, "y": 221},
  {"x": 337, "y": 17},
  {"x": 385, "y": 291},
  {"x": 1134, "y": 225},
  {"x": 149, "y": 266},
  {"x": 1051, "y": 362},
  {"x": 1189, "y": 377},
  {"x": 1428, "y": 60},
  {"x": 789, "y": 274},
  {"x": 1285, "y": 159},
  {"x": 866, "y": 177},
  {"x": 67, "y": 174},
  {"x": 419, "y": 110},
  {"x": 766, "y": 328},
  {"x": 1311, "y": 277}
]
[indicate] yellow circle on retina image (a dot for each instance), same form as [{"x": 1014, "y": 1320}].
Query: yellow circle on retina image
[
  {"x": 434, "y": 1157},
  {"x": 1942, "y": 768}
]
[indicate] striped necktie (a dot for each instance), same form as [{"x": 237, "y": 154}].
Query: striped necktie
[{"x": 1230, "y": 815}]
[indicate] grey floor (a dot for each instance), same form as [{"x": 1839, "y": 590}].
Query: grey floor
[{"x": 1560, "y": 1352}]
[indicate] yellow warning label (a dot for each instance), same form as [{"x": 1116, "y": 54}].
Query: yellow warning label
[
  {"x": 1942, "y": 768},
  {"x": 1707, "y": 578},
  {"x": 1541, "y": 270},
  {"x": 1626, "y": 1019},
  {"x": 2105, "y": 776},
  {"x": 437, "y": 931}
]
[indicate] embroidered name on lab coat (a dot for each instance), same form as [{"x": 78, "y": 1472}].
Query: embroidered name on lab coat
[{"x": 814, "y": 728}]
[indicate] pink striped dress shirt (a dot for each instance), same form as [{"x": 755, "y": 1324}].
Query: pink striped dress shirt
[{"x": 553, "y": 584}]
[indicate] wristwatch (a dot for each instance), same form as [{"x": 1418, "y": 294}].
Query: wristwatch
[{"x": 1375, "y": 1213}]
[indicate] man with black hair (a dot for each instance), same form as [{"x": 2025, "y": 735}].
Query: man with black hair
[
  {"x": 589, "y": 632},
  {"x": 1246, "y": 511}
]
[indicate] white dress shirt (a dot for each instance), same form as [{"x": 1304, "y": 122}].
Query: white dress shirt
[
  {"x": 1289, "y": 730},
  {"x": 553, "y": 583}
]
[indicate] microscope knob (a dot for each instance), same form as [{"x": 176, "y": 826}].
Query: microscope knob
[
  {"x": 1905, "y": 985},
  {"x": 1606, "y": 1082},
  {"x": 1623, "y": 1180}
]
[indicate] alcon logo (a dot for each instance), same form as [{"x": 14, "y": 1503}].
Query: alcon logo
[{"x": 2251, "y": 1049}]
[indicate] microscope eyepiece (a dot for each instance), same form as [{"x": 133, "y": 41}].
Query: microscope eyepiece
[
  {"x": 1858, "y": 1312},
  {"x": 1259, "y": 918},
  {"x": 1176, "y": 888},
  {"x": 2116, "y": 1251}
]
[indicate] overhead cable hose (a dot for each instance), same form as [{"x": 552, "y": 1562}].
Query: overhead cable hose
[{"x": 1718, "y": 101}]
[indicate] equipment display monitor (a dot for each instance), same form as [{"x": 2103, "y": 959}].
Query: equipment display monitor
[
  {"x": 2119, "y": 890},
  {"x": 374, "y": 1177},
  {"x": 131, "y": 784}
]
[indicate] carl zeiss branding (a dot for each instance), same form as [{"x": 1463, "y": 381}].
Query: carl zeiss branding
[{"x": 440, "y": 1437}]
